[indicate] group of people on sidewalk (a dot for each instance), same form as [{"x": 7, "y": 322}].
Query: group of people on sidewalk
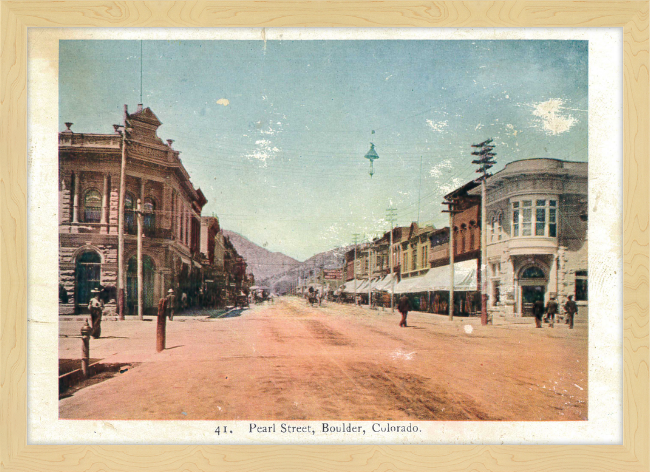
[
  {"x": 570, "y": 307},
  {"x": 552, "y": 309}
]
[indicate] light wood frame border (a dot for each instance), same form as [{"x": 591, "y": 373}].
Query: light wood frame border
[{"x": 16, "y": 17}]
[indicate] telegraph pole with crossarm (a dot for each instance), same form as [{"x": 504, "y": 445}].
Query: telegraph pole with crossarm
[
  {"x": 451, "y": 202},
  {"x": 485, "y": 161}
]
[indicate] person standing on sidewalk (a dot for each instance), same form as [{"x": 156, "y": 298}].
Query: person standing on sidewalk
[
  {"x": 404, "y": 306},
  {"x": 96, "y": 307},
  {"x": 551, "y": 311},
  {"x": 571, "y": 308},
  {"x": 171, "y": 301},
  {"x": 538, "y": 311}
]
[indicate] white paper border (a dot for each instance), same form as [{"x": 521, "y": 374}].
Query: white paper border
[{"x": 605, "y": 424}]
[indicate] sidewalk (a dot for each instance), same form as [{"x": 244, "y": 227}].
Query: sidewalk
[{"x": 128, "y": 340}]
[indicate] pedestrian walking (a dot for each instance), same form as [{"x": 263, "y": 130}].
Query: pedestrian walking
[
  {"x": 551, "y": 311},
  {"x": 571, "y": 309},
  {"x": 171, "y": 301},
  {"x": 538, "y": 311},
  {"x": 96, "y": 307},
  {"x": 404, "y": 306}
]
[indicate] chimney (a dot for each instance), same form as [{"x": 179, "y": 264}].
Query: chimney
[
  {"x": 126, "y": 114},
  {"x": 139, "y": 107}
]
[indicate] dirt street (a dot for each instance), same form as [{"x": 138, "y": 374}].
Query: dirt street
[{"x": 289, "y": 361}]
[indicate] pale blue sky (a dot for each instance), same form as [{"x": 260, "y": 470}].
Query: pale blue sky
[{"x": 275, "y": 133}]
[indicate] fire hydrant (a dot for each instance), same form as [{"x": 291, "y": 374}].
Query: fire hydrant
[
  {"x": 160, "y": 327},
  {"x": 85, "y": 347}
]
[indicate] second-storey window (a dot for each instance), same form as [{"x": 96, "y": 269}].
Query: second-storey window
[
  {"x": 149, "y": 217},
  {"x": 129, "y": 214},
  {"x": 534, "y": 218},
  {"x": 414, "y": 257},
  {"x": 515, "y": 219},
  {"x": 526, "y": 218},
  {"x": 92, "y": 206}
]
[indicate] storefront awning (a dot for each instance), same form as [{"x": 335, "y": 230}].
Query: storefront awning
[
  {"x": 438, "y": 279},
  {"x": 410, "y": 285},
  {"x": 465, "y": 277},
  {"x": 385, "y": 284},
  {"x": 348, "y": 287}
]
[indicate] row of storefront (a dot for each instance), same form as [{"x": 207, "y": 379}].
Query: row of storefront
[{"x": 536, "y": 245}]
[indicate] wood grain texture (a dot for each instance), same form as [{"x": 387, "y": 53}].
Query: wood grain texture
[{"x": 16, "y": 17}]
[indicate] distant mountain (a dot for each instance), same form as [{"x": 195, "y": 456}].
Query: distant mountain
[
  {"x": 261, "y": 262},
  {"x": 284, "y": 281}
]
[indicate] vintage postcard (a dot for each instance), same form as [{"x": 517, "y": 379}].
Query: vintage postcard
[{"x": 289, "y": 238}]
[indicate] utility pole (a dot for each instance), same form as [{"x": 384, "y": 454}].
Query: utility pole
[
  {"x": 452, "y": 202},
  {"x": 356, "y": 242},
  {"x": 391, "y": 217},
  {"x": 124, "y": 130},
  {"x": 419, "y": 190},
  {"x": 139, "y": 261},
  {"x": 485, "y": 161},
  {"x": 369, "y": 277}
]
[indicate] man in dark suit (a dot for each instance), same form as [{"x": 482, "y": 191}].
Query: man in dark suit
[
  {"x": 404, "y": 306},
  {"x": 551, "y": 311}
]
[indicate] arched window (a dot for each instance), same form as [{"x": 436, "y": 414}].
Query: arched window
[
  {"x": 149, "y": 217},
  {"x": 463, "y": 229},
  {"x": 533, "y": 272},
  {"x": 472, "y": 241},
  {"x": 92, "y": 206},
  {"x": 129, "y": 214}
]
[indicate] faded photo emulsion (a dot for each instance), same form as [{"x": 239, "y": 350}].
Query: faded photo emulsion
[{"x": 316, "y": 238}]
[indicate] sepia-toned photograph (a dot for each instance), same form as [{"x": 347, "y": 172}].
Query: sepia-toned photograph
[{"x": 336, "y": 231}]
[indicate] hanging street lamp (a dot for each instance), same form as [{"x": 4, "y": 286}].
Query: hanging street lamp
[{"x": 371, "y": 155}]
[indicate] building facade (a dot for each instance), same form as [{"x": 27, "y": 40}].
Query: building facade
[
  {"x": 156, "y": 185},
  {"x": 536, "y": 234},
  {"x": 415, "y": 246}
]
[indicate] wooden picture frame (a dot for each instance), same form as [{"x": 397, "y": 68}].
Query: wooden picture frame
[{"x": 17, "y": 17}]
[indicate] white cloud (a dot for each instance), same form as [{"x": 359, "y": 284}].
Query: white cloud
[
  {"x": 436, "y": 171},
  {"x": 223, "y": 101},
  {"x": 451, "y": 186},
  {"x": 552, "y": 118},
  {"x": 263, "y": 151},
  {"x": 512, "y": 129},
  {"x": 438, "y": 126}
]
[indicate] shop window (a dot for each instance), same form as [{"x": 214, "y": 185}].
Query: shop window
[
  {"x": 581, "y": 285},
  {"x": 92, "y": 206}
]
